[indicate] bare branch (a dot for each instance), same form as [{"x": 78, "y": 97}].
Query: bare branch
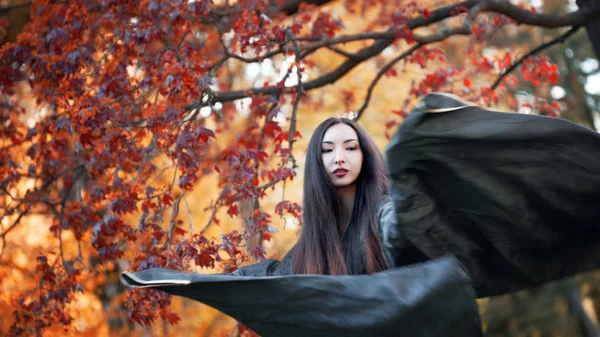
[
  {"x": 216, "y": 207},
  {"x": 172, "y": 221},
  {"x": 189, "y": 215},
  {"x": 464, "y": 29},
  {"x": 79, "y": 254},
  {"x": 291, "y": 7},
  {"x": 559, "y": 39},
  {"x": 341, "y": 52},
  {"x": 16, "y": 222},
  {"x": 380, "y": 74},
  {"x": 61, "y": 217},
  {"x": 23, "y": 213},
  {"x": 3, "y": 247},
  {"x": 299, "y": 93},
  {"x": 255, "y": 59},
  {"x": 319, "y": 42},
  {"x": 526, "y": 17}
]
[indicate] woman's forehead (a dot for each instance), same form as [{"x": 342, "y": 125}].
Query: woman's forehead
[{"x": 339, "y": 133}]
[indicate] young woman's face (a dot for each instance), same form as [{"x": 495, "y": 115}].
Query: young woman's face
[{"x": 341, "y": 154}]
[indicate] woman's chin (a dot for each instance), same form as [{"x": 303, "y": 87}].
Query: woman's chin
[{"x": 343, "y": 183}]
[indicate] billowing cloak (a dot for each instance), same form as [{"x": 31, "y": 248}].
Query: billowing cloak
[{"x": 514, "y": 198}]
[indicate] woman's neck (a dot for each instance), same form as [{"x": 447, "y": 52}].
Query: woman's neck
[{"x": 346, "y": 195}]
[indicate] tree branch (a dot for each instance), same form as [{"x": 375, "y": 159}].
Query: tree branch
[
  {"x": 3, "y": 247},
  {"x": 15, "y": 223},
  {"x": 214, "y": 211},
  {"x": 464, "y": 29},
  {"x": 61, "y": 217},
  {"x": 23, "y": 213},
  {"x": 384, "y": 39},
  {"x": 172, "y": 223},
  {"x": 341, "y": 52},
  {"x": 291, "y": 7},
  {"x": 380, "y": 74},
  {"x": 526, "y": 17},
  {"x": 559, "y": 39},
  {"x": 299, "y": 93},
  {"x": 8, "y": 8}
]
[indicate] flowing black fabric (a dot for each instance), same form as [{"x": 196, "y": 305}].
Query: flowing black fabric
[
  {"x": 424, "y": 300},
  {"x": 516, "y": 198}
]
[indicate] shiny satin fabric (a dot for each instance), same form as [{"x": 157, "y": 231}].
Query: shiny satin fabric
[
  {"x": 423, "y": 300},
  {"x": 516, "y": 198}
]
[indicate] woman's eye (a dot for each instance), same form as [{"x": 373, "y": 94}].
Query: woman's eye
[
  {"x": 326, "y": 150},
  {"x": 352, "y": 148}
]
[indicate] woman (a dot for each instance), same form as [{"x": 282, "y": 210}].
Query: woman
[
  {"x": 344, "y": 186},
  {"x": 512, "y": 197}
]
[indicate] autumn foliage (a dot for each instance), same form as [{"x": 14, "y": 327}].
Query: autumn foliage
[{"x": 124, "y": 124}]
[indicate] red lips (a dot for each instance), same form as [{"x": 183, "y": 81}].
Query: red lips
[{"x": 340, "y": 172}]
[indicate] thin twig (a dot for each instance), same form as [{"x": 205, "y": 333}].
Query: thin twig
[
  {"x": 189, "y": 215},
  {"x": 380, "y": 74},
  {"x": 174, "y": 174},
  {"x": 172, "y": 222},
  {"x": 299, "y": 93},
  {"x": 63, "y": 205},
  {"x": 79, "y": 254},
  {"x": 342, "y": 52},
  {"x": 559, "y": 39},
  {"x": 214, "y": 212},
  {"x": 3, "y": 247},
  {"x": 464, "y": 29},
  {"x": 24, "y": 212},
  {"x": 16, "y": 222}
]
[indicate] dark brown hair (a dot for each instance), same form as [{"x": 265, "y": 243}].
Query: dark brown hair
[{"x": 322, "y": 249}]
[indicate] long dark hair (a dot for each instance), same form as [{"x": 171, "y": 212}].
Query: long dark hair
[{"x": 322, "y": 248}]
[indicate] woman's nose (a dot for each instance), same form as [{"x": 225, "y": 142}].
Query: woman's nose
[{"x": 339, "y": 158}]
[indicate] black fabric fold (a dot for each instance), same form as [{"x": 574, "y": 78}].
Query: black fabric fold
[
  {"x": 515, "y": 197},
  {"x": 424, "y": 300}
]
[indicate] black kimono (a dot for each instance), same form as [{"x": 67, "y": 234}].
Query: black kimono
[{"x": 482, "y": 203}]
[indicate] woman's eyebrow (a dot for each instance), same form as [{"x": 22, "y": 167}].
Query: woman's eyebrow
[{"x": 346, "y": 141}]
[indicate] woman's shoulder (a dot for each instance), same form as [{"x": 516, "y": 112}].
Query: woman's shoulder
[
  {"x": 386, "y": 209},
  {"x": 386, "y": 200},
  {"x": 285, "y": 267}
]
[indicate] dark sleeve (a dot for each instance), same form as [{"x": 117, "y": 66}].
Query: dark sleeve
[
  {"x": 514, "y": 197},
  {"x": 271, "y": 267},
  {"x": 264, "y": 268},
  {"x": 397, "y": 250}
]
